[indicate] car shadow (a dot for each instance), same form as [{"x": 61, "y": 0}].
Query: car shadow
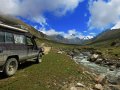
[
  {"x": 21, "y": 66},
  {"x": 26, "y": 64}
]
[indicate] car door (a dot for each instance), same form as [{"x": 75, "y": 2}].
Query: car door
[
  {"x": 20, "y": 47},
  {"x": 32, "y": 49}
]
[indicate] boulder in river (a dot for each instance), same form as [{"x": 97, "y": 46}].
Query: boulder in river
[
  {"x": 109, "y": 62},
  {"x": 112, "y": 68},
  {"x": 117, "y": 64},
  {"x": 94, "y": 57},
  {"x": 99, "y": 60}
]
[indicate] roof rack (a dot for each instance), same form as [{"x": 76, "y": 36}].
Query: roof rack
[{"x": 11, "y": 27}]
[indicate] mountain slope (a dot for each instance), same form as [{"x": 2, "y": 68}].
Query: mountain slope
[
  {"x": 61, "y": 39},
  {"x": 9, "y": 20},
  {"x": 106, "y": 37}
]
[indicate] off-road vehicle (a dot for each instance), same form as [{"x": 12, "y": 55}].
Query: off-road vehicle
[{"x": 16, "y": 46}]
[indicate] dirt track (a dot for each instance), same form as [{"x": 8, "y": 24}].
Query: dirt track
[{"x": 47, "y": 50}]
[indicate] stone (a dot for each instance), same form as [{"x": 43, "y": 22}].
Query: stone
[
  {"x": 99, "y": 60},
  {"x": 118, "y": 77},
  {"x": 101, "y": 79},
  {"x": 112, "y": 68},
  {"x": 109, "y": 63},
  {"x": 94, "y": 57},
  {"x": 60, "y": 52},
  {"x": 117, "y": 64},
  {"x": 80, "y": 85},
  {"x": 98, "y": 87},
  {"x": 73, "y": 88}
]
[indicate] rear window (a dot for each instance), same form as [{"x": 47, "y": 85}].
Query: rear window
[
  {"x": 2, "y": 37},
  {"x": 19, "y": 39},
  {"x": 9, "y": 37}
]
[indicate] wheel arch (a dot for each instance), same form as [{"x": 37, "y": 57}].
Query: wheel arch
[{"x": 14, "y": 56}]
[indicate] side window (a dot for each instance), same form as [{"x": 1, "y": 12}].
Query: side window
[
  {"x": 9, "y": 37},
  {"x": 2, "y": 37},
  {"x": 19, "y": 39},
  {"x": 29, "y": 41}
]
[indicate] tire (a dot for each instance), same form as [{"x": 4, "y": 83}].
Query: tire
[
  {"x": 11, "y": 67},
  {"x": 39, "y": 58}
]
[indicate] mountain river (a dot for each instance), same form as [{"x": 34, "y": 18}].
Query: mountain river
[{"x": 113, "y": 76}]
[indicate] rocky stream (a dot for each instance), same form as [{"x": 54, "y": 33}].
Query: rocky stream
[{"x": 106, "y": 70}]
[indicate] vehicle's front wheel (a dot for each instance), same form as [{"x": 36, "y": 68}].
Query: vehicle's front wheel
[
  {"x": 11, "y": 67},
  {"x": 39, "y": 58}
]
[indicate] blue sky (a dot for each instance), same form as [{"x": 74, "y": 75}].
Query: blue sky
[
  {"x": 76, "y": 20},
  {"x": 70, "y": 18}
]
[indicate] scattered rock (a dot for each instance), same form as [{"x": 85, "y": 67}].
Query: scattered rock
[
  {"x": 80, "y": 85},
  {"x": 112, "y": 68},
  {"x": 109, "y": 63},
  {"x": 99, "y": 60},
  {"x": 118, "y": 77},
  {"x": 98, "y": 87},
  {"x": 71, "y": 54},
  {"x": 94, "y": 57},
  {"x": 60, "y": 52},
  {"x": 73, "y": 88},
  {"x": 101, "y": 79},
  {"x": 117, "y": 64}
]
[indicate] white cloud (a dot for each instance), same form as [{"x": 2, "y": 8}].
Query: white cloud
[
  {"x": 104, "y": 13},
  {"x": 36, "y": 8},
  {"x": 71, "y": 34},
  {"x": 50, "y": 31},
  {"x": 9, "y": 7},
  {"x": 117, "y": 26},
  {"x": 84, "y": 31},
  {"x": 40, "y": 19},
  {"x": 92, "y": 33}
]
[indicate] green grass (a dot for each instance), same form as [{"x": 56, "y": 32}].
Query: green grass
[
  {"x": 51, "y": 74},
  {"x": 55, "y": 44},
  {"x": 107, "y": 50}
]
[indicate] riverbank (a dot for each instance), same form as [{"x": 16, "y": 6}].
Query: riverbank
[{"x": 108, "y": 71}]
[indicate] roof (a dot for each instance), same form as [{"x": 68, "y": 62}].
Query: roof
[{"x": 11, "y": 27}]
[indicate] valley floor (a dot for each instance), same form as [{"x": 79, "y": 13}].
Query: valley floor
[{"x": 56, "y": 72}]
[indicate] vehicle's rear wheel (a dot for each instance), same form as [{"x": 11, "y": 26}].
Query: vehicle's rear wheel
[
  {"x": 39, "y": 58},
  {"x": 11, "y": 67}
]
